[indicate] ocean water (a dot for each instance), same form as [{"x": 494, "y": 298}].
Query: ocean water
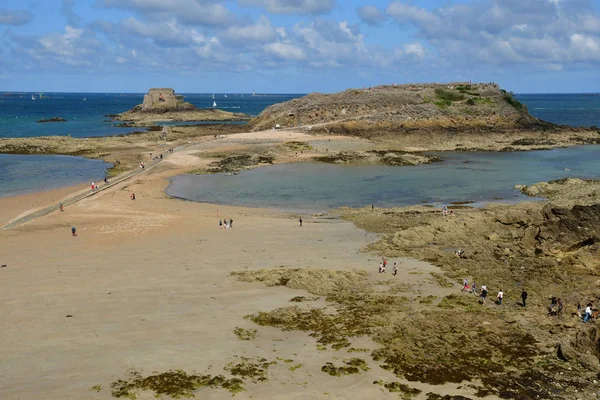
[
  {"x": 21, "y": 174},
  {"x": 462, "y": 176},
  {"x": 581, "y": 110},
  {"x": 19, "y": 113}
]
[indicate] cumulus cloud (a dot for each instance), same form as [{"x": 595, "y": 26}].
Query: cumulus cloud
[
  {"x": 14, "y": 17},
  {"x": 201, "y": 12},
  {"x": 260, "y": 31},
  {"x": 370, "y": 15},
  {"x": 311, "y": 7},
  {"x": 540, "y": 32}
]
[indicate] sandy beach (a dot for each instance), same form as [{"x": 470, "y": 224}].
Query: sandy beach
[{"x": 146, "y": 285}]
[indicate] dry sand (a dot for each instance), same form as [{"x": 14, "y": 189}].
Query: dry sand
[{"x": 147, "y": 285}]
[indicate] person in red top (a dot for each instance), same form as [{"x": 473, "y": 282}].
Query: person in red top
[{"x": 384, "y": 262}]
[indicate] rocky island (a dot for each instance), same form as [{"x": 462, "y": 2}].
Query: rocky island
[
  {"x": 164, "y": 105},
  {"x": 450, "y": 116},
  {"x": 55, "y": 119}
]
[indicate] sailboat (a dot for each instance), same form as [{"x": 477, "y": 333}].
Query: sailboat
[
  {"x": 254, "y": 93},
  {"x": 225, "y": 96},
  {"x": 84, "y": 98},
  {"x": 32, "y": 97},
  {"x": 40, "y": 96},
  {"x": 213, "y": 96},
  {"x": 214, "y": 103}
]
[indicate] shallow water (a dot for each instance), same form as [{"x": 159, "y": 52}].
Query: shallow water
[
  {"x": 21, "y": 174},
  {"x": 462, "y": 176}
]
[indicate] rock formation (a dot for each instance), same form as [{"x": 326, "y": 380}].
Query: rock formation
[
  {"x": 164, "y": 105},
  {"x": 412, "y": 107}
]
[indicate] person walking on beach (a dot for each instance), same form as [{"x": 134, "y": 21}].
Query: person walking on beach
[
  {"x": 300, "y": 221},
  {"x": 395, "y": 269},
  {"x": 132, "y": 196},
  {"x": 220, "y": 223},
  {"x": 500, "y": 296},
  {"x": 230, "y": 223},
  {"x": 61, "y": 207},
  {"x": 524, "y": 297},
  {"x": 74, "y": 231}
]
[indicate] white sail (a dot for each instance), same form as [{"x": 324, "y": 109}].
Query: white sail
[
  {"x": 214, "y": 103},
  {"x": 32, "y": 97}
]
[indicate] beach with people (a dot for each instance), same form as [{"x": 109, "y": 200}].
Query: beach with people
[{"x": 154, "y": 285}]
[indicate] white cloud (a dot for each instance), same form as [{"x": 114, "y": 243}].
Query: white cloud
[
  {"x": 202, "y": 12},
  {"x": 311, "y": 7},
  {"x": 507, "y": 32},
  {"x": 14, "y": 17},
  {"x": 285, "y": 51},
  {"x": 260, "y": 31},
  {"x": 370, "y": 15}
]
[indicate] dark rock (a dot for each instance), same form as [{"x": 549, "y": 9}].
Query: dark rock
[{"x": 55, "y": 119}]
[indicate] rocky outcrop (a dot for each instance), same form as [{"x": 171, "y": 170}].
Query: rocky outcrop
[
  {"x": 407, "y": 108},
  {"x": 55, "y": 119},
  {"x": 165, "y": 105}
]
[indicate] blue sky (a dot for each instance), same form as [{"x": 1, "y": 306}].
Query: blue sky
[{"x": 297, "y": 46}]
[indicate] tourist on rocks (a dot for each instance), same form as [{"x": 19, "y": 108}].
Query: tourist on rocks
[
  {"x": 523, "y": 297},
  {"x": 483, "y": 294},
  {"x": 552, "y": 308},
  {"x": 474, "y": 288},
  {"x": 384, "y": 263},
  {"x": 132, "y": 196},
  {"x": 588, "y": 313},
  {"x": 500, "y": 297},
  {"x": 465, "y": 287},
  {"x": 381, "y": 267},
  {"x": 74, "y": 231},
  {"x": 61, "y": 207},
  {"x": 395, "y": 270},
  {"x": 559, "y": 308}
]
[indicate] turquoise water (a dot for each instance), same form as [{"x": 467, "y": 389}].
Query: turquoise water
[
  {"x": 21, "y": 174},
  {"x": 462, "y": 176}
]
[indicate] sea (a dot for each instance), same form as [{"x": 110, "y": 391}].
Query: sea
[{"x": 86, "y": 117}]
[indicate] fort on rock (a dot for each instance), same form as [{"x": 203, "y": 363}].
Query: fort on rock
[{"x": 162, "y": 98}]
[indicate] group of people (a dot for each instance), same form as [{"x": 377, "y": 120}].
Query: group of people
[
  {"x": 445, "y": 212},
  {"x": 483, "y": 293},
  {"x": 383, "y": 267},
  {"x": 223, "y": 223}
]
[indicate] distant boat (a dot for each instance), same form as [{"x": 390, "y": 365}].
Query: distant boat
[
  {"x": 213, "y": 96},
  {"x": 32, "y": 97},
  {"x": 84, "y": 98},
  {"x": 225, "y": 95},
  {"x": 40, "y": 96},
  {"x": 214, "y": 103},
  {"x": 254, "y": 93}
]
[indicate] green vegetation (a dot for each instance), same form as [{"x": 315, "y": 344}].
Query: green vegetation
[
  {"x": 353, "y": 366},
  {"x": 294, "y": 367},
  {"x": 253, "y": 370},
  {"x": 360, "y": 350},
  {"x": 397, "y": 387},
  {"x": 175, "y": 383},
  {"x": 440, "y": 280},
  {"x": 96, "y": 388},
  {"x": 300, "y": 299},
  {"x": 448, "y": 95},
  {"x": 245, "y": 334},
  {"x": 513, "y": 102}
]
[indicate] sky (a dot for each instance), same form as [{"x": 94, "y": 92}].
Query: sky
[{"x": 297, "y": 46}]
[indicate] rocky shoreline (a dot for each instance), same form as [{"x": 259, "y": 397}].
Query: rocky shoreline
[{"x": 549, "y": 248}]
